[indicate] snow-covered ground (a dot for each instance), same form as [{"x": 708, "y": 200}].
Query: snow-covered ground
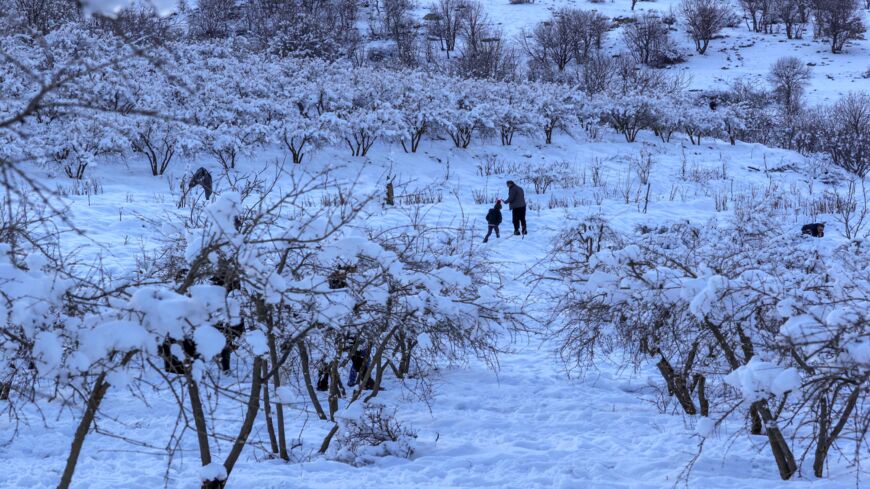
[{"x": 526, "y": 424}]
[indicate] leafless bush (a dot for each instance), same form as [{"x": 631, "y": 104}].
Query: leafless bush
[
  {"x": 789, "y": 76},
  {"x": 550, "y": 43},
  {"x": 704, "y": 19},
  {"x": 758, "y": 14},
  {"x": 847, "y": 134},
  {"x": 852, "y": 208},
  {"x": 44, "y": 16},
  {"x": 398, "y": 25},
  {"x": 490, "y": 57},
  {"x": 490, "y": 165},
  {"x": 482, "y": 197},
  {"x": 157, "y": 144},
  {"x": 141, "y": 23},
  {"x": 597, "y": 74},
  {"x": 571, "y": 34},
  {"x": 643, "y": 164},
  {"x": 648, "y": 41},
  {"x": 596, "y": 168},
  {"x": 322, "y": 29},
  {"x": 89, "y": 187},
  {"x": 427, "y": 195},
  {"x": 542, "y": 182}
]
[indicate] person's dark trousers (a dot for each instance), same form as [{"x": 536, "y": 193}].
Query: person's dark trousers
[
  {"x": 226, "y": 353},
  {"x": 488, "y": 233},
  {"x": 519, "y": 218}
]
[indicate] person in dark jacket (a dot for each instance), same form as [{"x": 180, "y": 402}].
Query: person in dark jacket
[
  {"x": 516, "y": 202},
  {"x": 493, "y": 218}
]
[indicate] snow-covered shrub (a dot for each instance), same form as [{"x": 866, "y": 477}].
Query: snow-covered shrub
[
  {"x": 75, "y": 144},
  {"x": 469, "y": 109},
  {"x": 630, "y": 114},
  {"x": 365, "y": 436},
  {"x": 365, "y": 112},
  {"x": 418, "y": 101},
  {"x": 553, "y": 109},
  {"x": 699, "y": 304},
  {"x": 516, "y": 113},
  {"x": 700, "y": 121}
]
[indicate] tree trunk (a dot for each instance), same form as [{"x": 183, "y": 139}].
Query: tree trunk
[
  {"x": 781, "y": 451},
  {"x": 267, "y": 409},
  {"x": 306, "y": 376},
  {"x": 93, "y": 404},
  {"x": 677, "y": 387},
  {"x": 250, "y": 416},
  {"x": 279, "y": 409}
]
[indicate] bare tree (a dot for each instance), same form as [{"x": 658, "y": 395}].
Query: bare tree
[
  {"x": 551, "y": 42},
  {"x": 597, "y": 74},
  {"x": 446, "y": 22},
  {"x": 789, "y": 76},
  {"x": 704, "y": 19},
  {"x": 317, "y": 28},
  {"x": 589, "y": 28},
  {"x": 398, "y": 25},
  {"x": 792, "y": 14},
  {"x": 647, "y": 39},
  {"x": 493, "y": 59},
  {"x": 839, "y": 20},
  {"x": 474, "y": 25},
  {"x": 756, "y": 13}
]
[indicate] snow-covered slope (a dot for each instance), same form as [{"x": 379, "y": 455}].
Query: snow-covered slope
[{"x": 735, "y": 53}]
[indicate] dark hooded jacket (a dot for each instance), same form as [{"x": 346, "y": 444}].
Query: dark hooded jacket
[{"x": 493, "y": 217}]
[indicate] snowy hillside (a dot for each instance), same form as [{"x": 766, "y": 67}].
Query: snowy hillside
[
  {"x": 246, "y": 244},
  {"x": 737, "y": 52}
]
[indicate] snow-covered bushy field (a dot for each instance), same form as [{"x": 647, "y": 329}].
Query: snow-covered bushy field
[
  {"x": 524, "y": 424},
  {"x": 665, "y": 323}
]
